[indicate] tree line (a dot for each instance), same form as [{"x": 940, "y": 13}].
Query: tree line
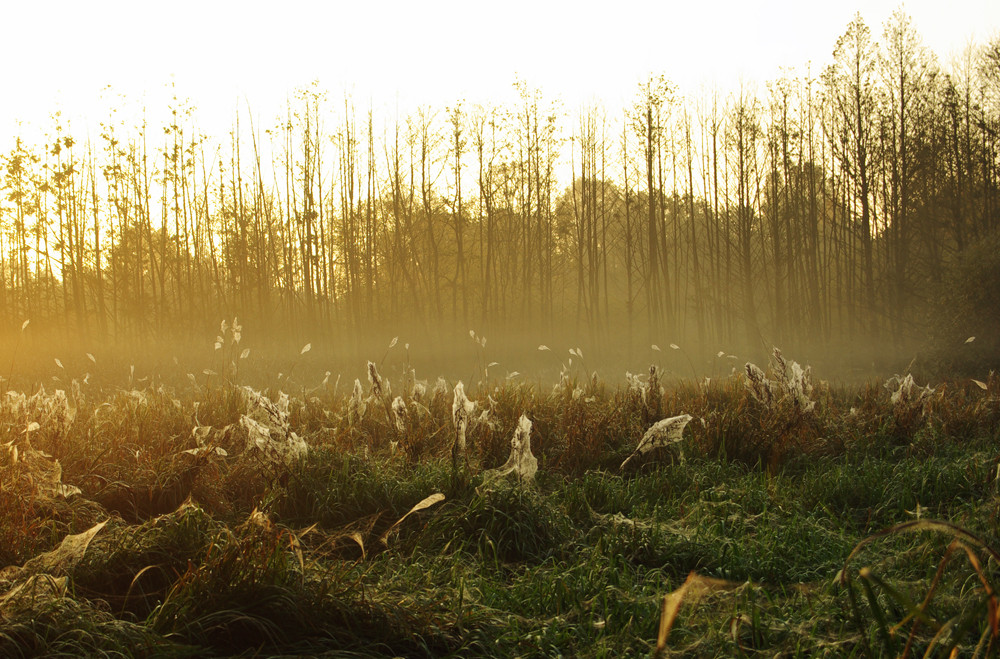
[{"x": 832, "y": 205}]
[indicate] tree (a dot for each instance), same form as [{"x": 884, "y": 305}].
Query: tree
[
  {"x": 743, "y": 135},
  {"x": 850, "y": 83},
  {"x": 654, "y": 99}
]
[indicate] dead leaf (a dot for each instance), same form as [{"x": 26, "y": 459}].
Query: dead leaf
[{"x": 425, "y": 503}]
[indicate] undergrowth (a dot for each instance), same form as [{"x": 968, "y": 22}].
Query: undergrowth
[{"x": 219, "y": 520}]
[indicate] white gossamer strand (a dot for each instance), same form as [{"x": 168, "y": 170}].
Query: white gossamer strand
[
  {"x": 399, "y": 413},
  {"x": 791, "y": 382},
  {"x": 521, "y": 462},
  {"x": 758, "y": 385},
  {"x": 907, "y": 391},
  {"x": 379, "y": 387},
  {"x": 357, "y": 406},
  {"x": 461, "y": 411},
  {"x": 662, "y": 433},
  {"x": 800, "y": 385},
  {"x": 269, "y": 431}
]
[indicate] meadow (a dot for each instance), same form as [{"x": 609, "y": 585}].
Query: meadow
[{"x": 763, "y": 511}]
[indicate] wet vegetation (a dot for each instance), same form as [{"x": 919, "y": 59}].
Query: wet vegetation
[{"x": 211, "y": 518}]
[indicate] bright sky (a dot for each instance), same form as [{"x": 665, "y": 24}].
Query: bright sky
[{"x": 60, "y": 54}]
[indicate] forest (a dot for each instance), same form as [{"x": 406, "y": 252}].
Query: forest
[{"x": 852, "y": 205}]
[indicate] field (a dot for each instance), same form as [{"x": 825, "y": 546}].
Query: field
[{"x": 788, "y": 516}]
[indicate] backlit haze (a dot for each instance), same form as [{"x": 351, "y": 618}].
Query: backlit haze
[
  {"x": 123, "y": 62},
  {"x": 63, "y": 55}
]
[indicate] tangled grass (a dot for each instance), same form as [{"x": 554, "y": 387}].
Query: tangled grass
[{"x": 221, "y": 520}]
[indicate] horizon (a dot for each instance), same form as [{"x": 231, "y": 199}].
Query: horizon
[{"x": 744, "y": 224}]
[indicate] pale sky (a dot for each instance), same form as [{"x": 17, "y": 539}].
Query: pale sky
[{"x": 61, "y": 54}]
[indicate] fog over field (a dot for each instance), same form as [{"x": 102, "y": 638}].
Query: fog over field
[{"x": 644, "y": 185}]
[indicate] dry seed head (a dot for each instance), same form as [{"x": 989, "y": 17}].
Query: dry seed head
[
  {"x": 357, "y": 406},
  {"x": 375, "y": 379},
  {"x": 399, "y": 413},
  {"x": 758, "y": 385}
]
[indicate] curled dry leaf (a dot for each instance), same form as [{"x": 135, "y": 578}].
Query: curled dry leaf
[
  {"x": 422, "y": 505},
  {"x": 693, "y": 588}
]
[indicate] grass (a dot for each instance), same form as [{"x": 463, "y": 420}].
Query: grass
[{"x": 218, "y": 544}]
